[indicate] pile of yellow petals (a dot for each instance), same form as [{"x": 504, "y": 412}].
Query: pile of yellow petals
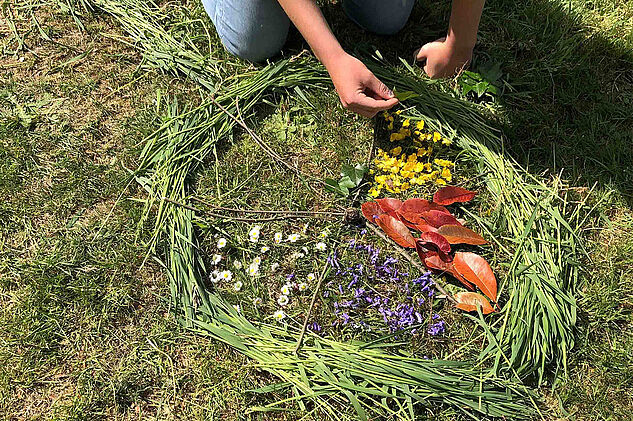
[{"x": 396, "y": 171}]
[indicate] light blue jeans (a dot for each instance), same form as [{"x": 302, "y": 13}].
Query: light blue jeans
[{"x": 255, "y": 30}]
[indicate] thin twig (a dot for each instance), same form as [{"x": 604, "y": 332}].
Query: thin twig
[
  {"x": 307, "y": 319},
  {"x": 411, "y": 260},
  {"x": 263, "y": 144},
  {"x": 282, "y": 217},
  {"x": 274, "y": 212}
]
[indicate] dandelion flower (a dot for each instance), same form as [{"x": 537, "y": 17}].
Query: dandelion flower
[
  {"x": 279, "y": 315},
  {"x": 216, "y": 259},
  {"x": 311, "y": 276},
  {"x": 278, "y": 237},
  {"x": 237, "y": 264},
  {"x": 265, "y": 249},
  {"x": 293, "y": 238},
  {"x": 303, "y": 286},
  {"x": 285, "y": 290},
  {"x": 226, "y": 275},
  {"x": 283, "y": 300},
  {"x": 320, "y": 246},
  {"x": 221, "y": 243},
  {"x": 237, "y": 286}
]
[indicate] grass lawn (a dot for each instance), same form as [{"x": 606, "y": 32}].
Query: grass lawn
[{"x": 86, "y": 328}]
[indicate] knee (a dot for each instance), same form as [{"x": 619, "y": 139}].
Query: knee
[{"x": 256, "y": 48}]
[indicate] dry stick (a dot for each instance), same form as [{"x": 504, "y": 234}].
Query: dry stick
[
  {"x": 275, "y": 212},
  {"x": 307, "y": 319},
  {"x": 411, "y": 260}
]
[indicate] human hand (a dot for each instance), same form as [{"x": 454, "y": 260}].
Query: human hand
[
  {"x": 359, "y": 90},
  {"x": 443, "y": 58}
]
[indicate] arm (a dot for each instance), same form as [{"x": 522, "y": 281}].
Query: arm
[
  {"x": 359, "y": 90},
  {"x": 448, "y": 55}
]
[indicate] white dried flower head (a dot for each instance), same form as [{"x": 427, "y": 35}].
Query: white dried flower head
[
  {"x": 285, "y": 290},
  {"x": 283, "y": 300},
  {"x": 253, "y": 269},
  {"x": 215, "y": 276}
]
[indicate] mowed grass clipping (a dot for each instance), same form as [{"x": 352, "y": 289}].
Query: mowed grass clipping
[{"x": 197, "y": 396}]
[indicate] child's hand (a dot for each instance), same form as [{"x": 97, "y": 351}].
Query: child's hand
[
  {"x": 360, "y": 91},
  {"x": 443, "y": 58}
]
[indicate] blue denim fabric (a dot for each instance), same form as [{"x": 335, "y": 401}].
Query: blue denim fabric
[
  {"x": 253, "y": 30},
  {"x": 383, "y": 17},
  {"x": 257, "y": 29}
]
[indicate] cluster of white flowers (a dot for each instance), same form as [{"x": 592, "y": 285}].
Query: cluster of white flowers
[{"x": 254, "y": 267}]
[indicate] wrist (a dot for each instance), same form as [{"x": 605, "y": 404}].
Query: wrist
[
  {"x": 462, "y": 46},
  {"x": 331, "y": 58}
]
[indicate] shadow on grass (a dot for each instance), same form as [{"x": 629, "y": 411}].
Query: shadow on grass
[{"x": 568, "y": 102}]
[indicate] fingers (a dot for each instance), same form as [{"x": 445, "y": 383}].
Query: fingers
[
  {"x": 378, "y": 88},
  {"x": 369, "y": 107}
]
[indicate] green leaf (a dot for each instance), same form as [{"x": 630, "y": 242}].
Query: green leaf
[
  {"x": 332, "y": 186},
  {"x": 403, "y": 96},
  {"x": 346, "y": 182}
]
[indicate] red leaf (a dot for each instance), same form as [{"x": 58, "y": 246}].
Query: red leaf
[
  {"x": 390, "y": 205},
  {"x": 371, "y": 210},
  {"x": 424, "y": 227},
  {"x": 469, "y": 301},
  {"x": 476, "y": 270},
  {"x": 396, "y": 230},
  {"x": 437, "y": 219},
  {"x": 456, "y": 234},
  {"x": 432, "y": 261},
  {"x": 452, "y": 194},
  {"x": 412, "y": 209},
  {"x": 434, "y": 242}
]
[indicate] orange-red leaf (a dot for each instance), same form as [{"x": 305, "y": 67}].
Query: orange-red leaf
[
  {"x": 432, "y": 261},
  {"x": 457, "y": 234},
  {"x": 396, "y": 230},
  {"x": 434, "y": 242},
  {"x": 451, "y": 194},
  {"x": 476, "y": 270},
  {"x": 469, "y": 301},
  {"x": 390, "y": 205},
  {"x": 412, "y": 209},
  {"x": 437, "y": 219},
  {"x": 424, "y": 227},
  {"x": 371, "y": 210}
]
